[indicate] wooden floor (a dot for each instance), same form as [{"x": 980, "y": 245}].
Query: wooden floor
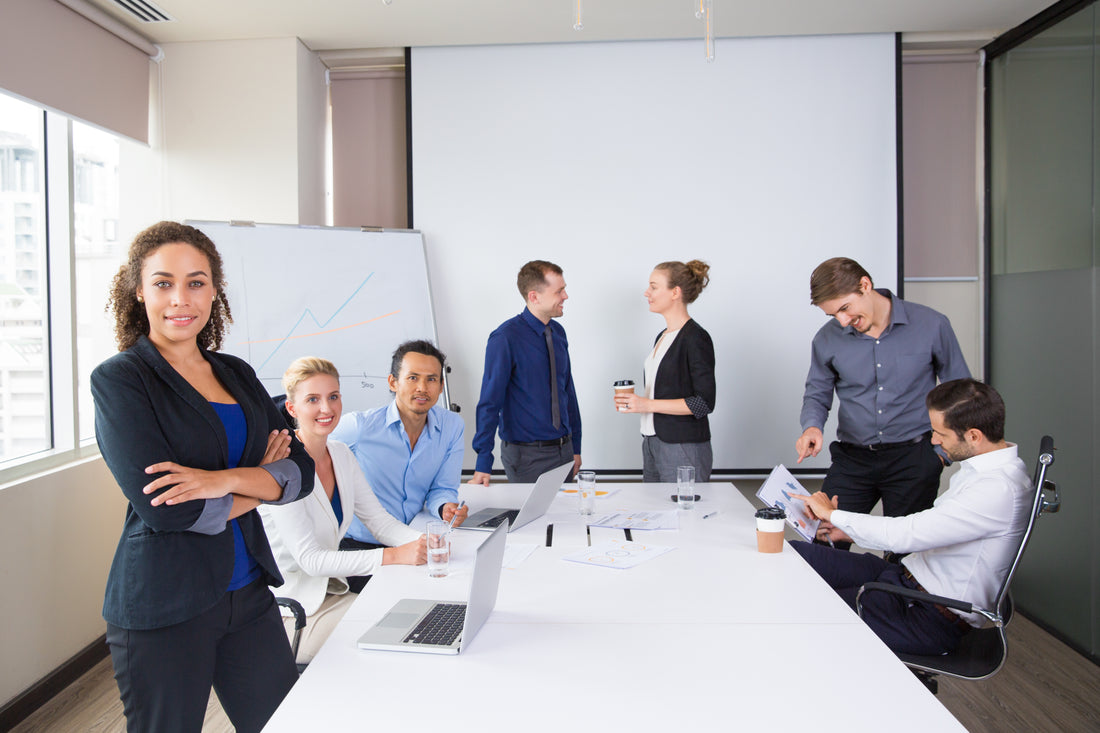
[{"x": 1045, "y": 686}]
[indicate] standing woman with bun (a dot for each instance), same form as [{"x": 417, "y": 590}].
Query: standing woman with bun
[
  {"x": 679, "y": 378},
  {"x": 196, "y": 444}
]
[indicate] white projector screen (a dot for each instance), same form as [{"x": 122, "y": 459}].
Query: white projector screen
[{"x": 608, "y": 158}]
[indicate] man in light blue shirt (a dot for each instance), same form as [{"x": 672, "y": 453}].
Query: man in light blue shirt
[{"x": 411, "y": 450}]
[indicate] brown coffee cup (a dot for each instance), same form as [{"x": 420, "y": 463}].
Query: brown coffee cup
[
  {"x": 770, "y": 522},
  {"x": 623, "y": 386}
]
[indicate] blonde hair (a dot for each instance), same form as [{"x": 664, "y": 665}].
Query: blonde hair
[
  {"x": 302, "y": 369},
  {"x": 691, "y": 277}
]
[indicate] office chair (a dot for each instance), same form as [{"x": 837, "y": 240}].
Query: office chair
[
  {"x": 981, "y": 652},
  {"x": 299, "y": 614}
]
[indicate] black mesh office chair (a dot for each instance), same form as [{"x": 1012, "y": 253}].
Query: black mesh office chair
[{"x": 981, "y": 653}]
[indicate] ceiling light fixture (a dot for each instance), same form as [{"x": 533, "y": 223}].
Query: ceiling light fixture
[
  {"x": 578, "y": 20},
  {"x": 708, "y": 18}
]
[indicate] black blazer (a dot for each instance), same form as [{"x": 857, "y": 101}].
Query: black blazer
[
  {"x": 166, "y": 570},
  {"x": 686, "y": 371}
]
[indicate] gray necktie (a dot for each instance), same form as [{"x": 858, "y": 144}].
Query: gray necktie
[{"x": 555, "y": 410}]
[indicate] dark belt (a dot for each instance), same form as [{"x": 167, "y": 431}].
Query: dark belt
[
  {"x": 543, "y": 443},
  {"x": 946, "y": 612},
  {"x": 886, "y": 446}
]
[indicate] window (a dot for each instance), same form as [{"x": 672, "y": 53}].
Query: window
[
  {"x": 45, "y": 363},
  {"x": 24, "y": 324},
  {"x": 98, "y": 255}
]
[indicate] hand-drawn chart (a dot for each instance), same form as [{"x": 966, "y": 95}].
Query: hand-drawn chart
[{"x": 346, "y": 295}]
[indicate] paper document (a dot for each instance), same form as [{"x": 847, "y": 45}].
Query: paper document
[
  {"x": 617, "y": 554},
  {"x": 571, "y": 490},
  {"x": 639, "y": 520},
  {"x": 777, "y": 491},
  {"x": 514, "y": 554}
]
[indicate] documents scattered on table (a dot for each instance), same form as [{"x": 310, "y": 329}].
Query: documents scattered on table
[
  {"x": 639, "y": 520},
  {"x": 777, "y": 491},
  {"x": 571, "y": 490},
  {"x": 617, "y": 554},
  {"x": 514, "y": 554}
]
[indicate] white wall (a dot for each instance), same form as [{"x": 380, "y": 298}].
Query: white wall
[
  {"x": 312, "y": 106},
  {"x": 241, "y": 120},
  {"x": 58, "y": 533}
]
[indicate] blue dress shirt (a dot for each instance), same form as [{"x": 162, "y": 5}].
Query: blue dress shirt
[
  {"x": 404, "y": 480},
  {"x": 515, "y": 388},
  {"x": 881, "y": 382}
]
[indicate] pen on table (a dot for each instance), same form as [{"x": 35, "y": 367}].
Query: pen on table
[
  {"x": 451, "y": 524},
  {"x": 708, "y": 516}
]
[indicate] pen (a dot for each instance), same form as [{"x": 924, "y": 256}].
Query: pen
[
  {"x": 708, "y": 516},
  {"x": 451, "y": 524}
]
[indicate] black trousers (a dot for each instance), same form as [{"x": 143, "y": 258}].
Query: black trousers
[
  {"x": 909, "y": 627},
  {"x": 905, "y": 477},
  {"x": 523, "y": 464},
  {"x": 239, "y": 647}
]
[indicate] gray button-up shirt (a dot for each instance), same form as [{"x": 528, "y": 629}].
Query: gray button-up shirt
[{"x": 881, "y": 382}]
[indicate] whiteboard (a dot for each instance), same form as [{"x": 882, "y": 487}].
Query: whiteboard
[
  {"x": 343, "y": 294},
  {"x": 608, "y": 158}
]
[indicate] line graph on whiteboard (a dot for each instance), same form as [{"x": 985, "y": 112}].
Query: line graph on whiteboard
[{"x": 350, "y": 315}]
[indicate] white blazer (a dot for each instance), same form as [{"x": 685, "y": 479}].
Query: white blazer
[{"x": 305, "y": 537}]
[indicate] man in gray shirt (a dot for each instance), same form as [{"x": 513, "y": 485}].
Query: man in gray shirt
[{"x": 882, "y": 356}]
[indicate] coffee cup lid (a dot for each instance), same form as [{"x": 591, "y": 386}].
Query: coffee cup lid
[
  {"x": 771, "y": 512},
  {"x": 624, "y": 383}
]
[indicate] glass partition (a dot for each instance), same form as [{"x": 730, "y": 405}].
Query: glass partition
[{"x": 1043, "y": 299}]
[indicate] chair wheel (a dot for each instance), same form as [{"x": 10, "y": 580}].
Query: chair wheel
[{"x": 928, "y": 680}]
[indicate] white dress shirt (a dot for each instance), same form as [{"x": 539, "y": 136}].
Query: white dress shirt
[
  {"x": 964, "y": 545},
  {"x": 305, "y": 537}
]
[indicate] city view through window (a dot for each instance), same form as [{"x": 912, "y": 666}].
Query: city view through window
[{"x": 27, "y": 295}]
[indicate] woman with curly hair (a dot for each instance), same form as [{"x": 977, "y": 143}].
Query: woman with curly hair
[
  {"x": 196, "y": 444},
  {"x": 679, "y": 378}
]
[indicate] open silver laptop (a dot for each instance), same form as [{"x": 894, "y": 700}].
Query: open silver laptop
[
  {"x": 538, "y": 501},
  {"x": 443, "y": 627}
]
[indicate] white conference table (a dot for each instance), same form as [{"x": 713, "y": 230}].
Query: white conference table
[{"x": 712, "y": 635}]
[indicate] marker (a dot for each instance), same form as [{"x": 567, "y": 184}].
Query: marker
[
  {"x": 708, "y": 516},
  {"x": 450, "y": 525}
]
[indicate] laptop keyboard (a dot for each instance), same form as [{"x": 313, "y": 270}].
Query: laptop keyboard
[
  {"x": 440, "y": 627},
  {"x": 508, "y": 516}
]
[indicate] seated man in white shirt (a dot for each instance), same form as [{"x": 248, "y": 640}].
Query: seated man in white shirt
[{"x": 960, "y": 548}]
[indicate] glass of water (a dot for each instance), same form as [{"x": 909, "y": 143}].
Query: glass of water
[
  {"x": 586, "y": 492},
  {"x": 685, "y": 487},
  {"x": 439, "y": 549}
]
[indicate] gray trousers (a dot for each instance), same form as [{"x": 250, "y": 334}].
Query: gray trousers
[
  {"x": 525, "y": 463},
  {"x": 660, "y": 459}
]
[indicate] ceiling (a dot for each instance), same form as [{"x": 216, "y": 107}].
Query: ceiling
[{"x": 364, "y": 24}]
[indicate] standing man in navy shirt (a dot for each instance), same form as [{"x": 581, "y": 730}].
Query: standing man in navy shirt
[
  {"x": 882, "y": 356},
  {"x": 527, "y": 388}
]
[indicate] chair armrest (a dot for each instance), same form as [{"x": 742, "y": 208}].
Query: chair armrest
[
  {"x": 915, "y": 595},
  {"x": 296, "y": 610}
]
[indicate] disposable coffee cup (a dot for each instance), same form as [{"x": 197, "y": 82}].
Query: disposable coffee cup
[
  {"x": 769, "y": 529},
  {"x": 623, "y": 386}
]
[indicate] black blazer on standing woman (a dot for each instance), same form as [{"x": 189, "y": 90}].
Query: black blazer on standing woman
[
  {"x": 174, "y": 562},
  {"x": 686, "y": 371}
]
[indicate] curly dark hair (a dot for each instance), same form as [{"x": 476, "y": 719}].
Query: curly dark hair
[{"x": 131, "y": 322}]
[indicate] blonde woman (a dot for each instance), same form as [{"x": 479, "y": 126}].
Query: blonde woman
[
  {"x": 305, "y": 536},
  {"x": 679, "y": 378}
]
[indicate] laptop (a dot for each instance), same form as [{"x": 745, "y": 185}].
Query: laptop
[
  {"x": 538, "y": 501},
  {"x": 442, "y": 627}
]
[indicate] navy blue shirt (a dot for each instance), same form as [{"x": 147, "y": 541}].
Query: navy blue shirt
[
  {"x": 245, "y": 567},
  {"x": 515, "y": 388}
]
